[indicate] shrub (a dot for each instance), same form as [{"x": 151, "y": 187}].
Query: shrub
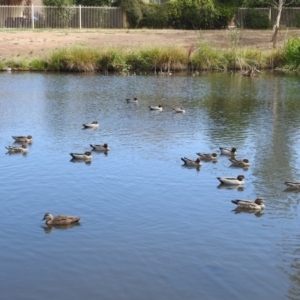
[
  {"x": 155, "y": 16},
  {"x": 192, "y": 14},
  {"x": 132, "y": 9},
  {"x": 256, "y": 20},
  {"x": 297, "y": 20},
  {"x": 292, "y": 53}
]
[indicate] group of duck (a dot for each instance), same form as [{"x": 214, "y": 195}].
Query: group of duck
[
  {"x": 249, "y": 205},
  {"x": 158, "y": 107},
  {"x": 257, "y": 204},
  {"x": 85, "y": 156}
]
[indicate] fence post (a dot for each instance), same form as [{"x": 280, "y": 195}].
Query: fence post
[
  {"x": 79, "y": 16},
  {"x": 32, "y": 16},
  {"x": 270, "y": 14}
]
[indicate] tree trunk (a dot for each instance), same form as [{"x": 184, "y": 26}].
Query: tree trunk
[{"x": 277, "y": 23}]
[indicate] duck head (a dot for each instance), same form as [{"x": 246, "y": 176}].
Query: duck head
[
  {"x": 240, "y": 177},
  {"x": 47, "y": 217},
  {"x": 259, "y": 200}
]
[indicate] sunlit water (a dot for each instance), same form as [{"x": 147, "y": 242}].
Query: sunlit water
[{"x": 150, "y": 228}]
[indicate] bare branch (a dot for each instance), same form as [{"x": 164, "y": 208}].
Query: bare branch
[
  {"x": 277, "y": 3},
  {"x": 290, "y": 2}
]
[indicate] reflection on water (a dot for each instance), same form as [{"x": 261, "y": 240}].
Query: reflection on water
[
  {"x": 154, "y": 229},
  {"x": 49, "y": 228},
  {"x": 87, "y": 162},
  {"x": 231, "y": 187},
  {"x": 256, "y": 213}
]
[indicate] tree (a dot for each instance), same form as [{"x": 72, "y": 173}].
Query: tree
[{"x": 278, "y": 4}]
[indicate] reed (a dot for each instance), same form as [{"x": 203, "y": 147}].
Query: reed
[
  {"x": 76, "y": 59},
  {"x": 113, "y": 60},
  {"x": 38, "y": 64},
  {"x": 160, "y": 59},
  {"x": 18, "y": 62},
  {"x": 291, "y": 54}
]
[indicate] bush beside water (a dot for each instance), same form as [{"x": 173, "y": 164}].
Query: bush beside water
[{"x": 161, "y": 59}]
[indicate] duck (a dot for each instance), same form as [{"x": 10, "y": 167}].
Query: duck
[
  {"x": 228, "y": 151},
  {"x": 191, "y": 162},
  {"x": 292, "y": 185},
  {"x": 23, "y": 139},
  {"x": 59, "y": 220},
  {"x": 257, "y": 204},
  {"x": 94, "y": 124},
  {"x": 134, "y": 100},
  {"x": 179, "y": 110},
  {"x": 244, "y": 163},
  {"x": 87, "y": 155},
  {"x": 231, "y": 180},
  {"x": 158, "y": 107},
  {"x": 21, "y": 149},
  {"x": 208, "y": 156},
  {"x": 103, "y": 147}
]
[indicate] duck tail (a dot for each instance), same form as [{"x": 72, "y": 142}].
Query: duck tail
[{"x": 235, "y": 202}]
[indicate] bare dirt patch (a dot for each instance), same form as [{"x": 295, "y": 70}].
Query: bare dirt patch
[{"x": 40, "y": 43}]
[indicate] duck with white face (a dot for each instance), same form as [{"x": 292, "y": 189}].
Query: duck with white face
[{"x": 60, "y": 220}]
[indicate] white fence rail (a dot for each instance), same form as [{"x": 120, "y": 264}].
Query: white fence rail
[
  {"x": 290, "y": 16},
  {"x": 60, "y": 17}
]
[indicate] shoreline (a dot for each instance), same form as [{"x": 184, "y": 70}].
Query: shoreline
[{"x": 141, "y": 50}]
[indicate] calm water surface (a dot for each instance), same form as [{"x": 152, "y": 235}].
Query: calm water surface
[{"x": 150, "y": 228}]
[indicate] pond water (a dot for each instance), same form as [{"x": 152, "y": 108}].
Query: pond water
[{"x": 150, "y": 228}]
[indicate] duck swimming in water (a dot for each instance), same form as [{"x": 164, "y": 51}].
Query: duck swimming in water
[
  {"x": 228, "y": 151},
  {"x": 231, "y": 180},
  {"x": 191, "y": 162},
  {"x": 94, "y": 124},
  {"x": 134, "y": 100},
  {"x": 21, "y": 149},
  {"x": 208, "y": 156},
  {"x": 23, "y": 139},
  {"x": 103, "y": 147},
  {"x": 158, "y": 107},
  {"x": 257, "y": 204},
  {"x": 59, "y": 220},
  {"x": 244, "y": 163},
  {"x": 82, "y": 156}
]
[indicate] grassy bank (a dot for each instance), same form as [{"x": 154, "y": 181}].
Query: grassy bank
[{"x": 161, "y": 59}]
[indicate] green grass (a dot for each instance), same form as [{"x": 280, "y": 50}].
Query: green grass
[{"x": 161, "y": 59}]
